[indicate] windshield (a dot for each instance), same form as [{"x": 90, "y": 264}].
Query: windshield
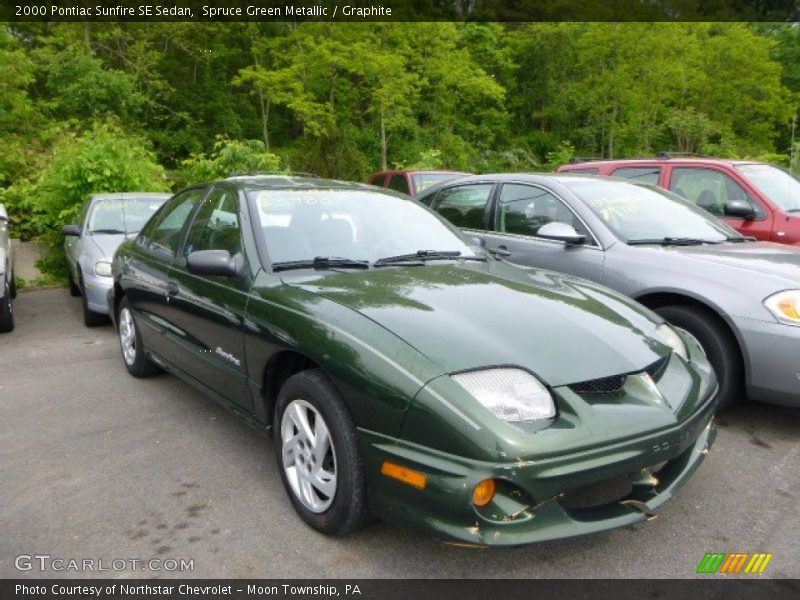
[
  {"x": 780, "y": 187},
  {"x": 422, "y": 181},
  {"x": 300, "y": 225},
  {"x": 122, "y": 216},
  {"x": 637, "y": 212}
]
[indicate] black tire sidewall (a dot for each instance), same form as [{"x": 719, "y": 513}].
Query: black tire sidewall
[
  {"x": 90, "y": 318},
  {"x": 720, "y": 346},
  {"x": 6, "y": 312},
  {"x": 349, "y": 508}
]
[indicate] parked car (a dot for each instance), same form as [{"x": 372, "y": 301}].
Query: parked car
[
  {"x": 104, "y": 222},
  {"x": 754, "y": 198},
  {"x": 407, "y": 373},
  {"x": 411, "y": 182},
  {"x": 740, "y": 298},
  {"x": 8, "y": 289}
]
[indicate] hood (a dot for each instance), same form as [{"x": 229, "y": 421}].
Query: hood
[
  {"x": 766, "y": 258},
  {"x": 107, "y": 244},
  {"x": 476, "y": 315}
]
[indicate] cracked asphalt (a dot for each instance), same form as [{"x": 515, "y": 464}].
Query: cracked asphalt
[{"x": 95, "y": 464}]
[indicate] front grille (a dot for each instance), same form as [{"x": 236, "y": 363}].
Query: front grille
[
  {"x": 606, "y": 492},
  {"x": 614, "y": 383}
]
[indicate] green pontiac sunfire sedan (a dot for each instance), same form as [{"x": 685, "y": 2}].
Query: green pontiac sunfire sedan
[{"x": 405, "y": 372}]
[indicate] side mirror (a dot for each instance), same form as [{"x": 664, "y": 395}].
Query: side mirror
[
  {"x": 478, "y": 241},
  {"x": 214, "y": 262},
  {"x": 72, "y": 230},
  {"x": 740, "y": 209},
  {"x": 3, "y": 213},
  {"x": 557, "y": 230}
]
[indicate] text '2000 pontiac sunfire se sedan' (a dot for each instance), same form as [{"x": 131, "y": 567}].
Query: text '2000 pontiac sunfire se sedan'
[{"x": 406, "y": 373}]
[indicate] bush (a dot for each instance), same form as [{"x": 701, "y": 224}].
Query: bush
[
  {"x": 103, "y": 159},
  {"x": 229, "y": 157}
]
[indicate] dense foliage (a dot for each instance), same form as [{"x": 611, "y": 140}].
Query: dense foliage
[{"x": 97, "y": 106}]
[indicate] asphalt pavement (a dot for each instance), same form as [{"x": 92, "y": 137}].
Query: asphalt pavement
[{"x": 96, "y": 465}]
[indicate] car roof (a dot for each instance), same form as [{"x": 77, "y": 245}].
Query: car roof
[
  {"x": 631, "y": 162},
  {"x": 527, "y": 177},
  {"x": 130, "y": 196},
  {"x": 288, "y": 182},
  {"x": 418, "y": 171}
]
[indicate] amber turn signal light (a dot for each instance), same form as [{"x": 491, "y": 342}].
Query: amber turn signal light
[
  {"x": 484, "y": 492},
  {"x": 404, "y": 474}
]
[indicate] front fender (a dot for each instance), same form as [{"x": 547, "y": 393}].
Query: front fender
[{"x": 377, "y": 373}]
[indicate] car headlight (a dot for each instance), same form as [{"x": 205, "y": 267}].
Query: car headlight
[
  {"x": 102, "y": 268},
  {"x": 785, "y": 306},
  {"x": 511, "y": 394},
  {"x": 670, "y": 337}
]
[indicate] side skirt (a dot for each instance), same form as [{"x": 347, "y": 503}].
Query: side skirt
[{"x": 247, "y": 417}]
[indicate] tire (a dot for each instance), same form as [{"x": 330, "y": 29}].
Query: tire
[
  {"x": 131, "y": 345},
  {"x": 720, "y": 347},
  {"x": 311, "y": 393},
  {"x": 74, "y": 290},
  {"x": 90, "y": 318},
  {"x": 6, "y": 309}
]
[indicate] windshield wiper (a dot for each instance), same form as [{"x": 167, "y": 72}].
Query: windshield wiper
[
  {"x": 321, "y": 262},
  {"x": 740, "y": 238},
  {"x": 672, "y": 241},
  {"x": 792, "y": 210},
  {"x": 420, "y": 256},
  {"x": 108, "y": 231}
]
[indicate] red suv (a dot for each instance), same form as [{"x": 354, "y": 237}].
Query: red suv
[
  {"x": 412, "y": 182},
  {"x": 754, "y": 198}
]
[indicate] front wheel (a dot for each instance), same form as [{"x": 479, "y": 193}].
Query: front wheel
[
  {"x": 74, "y": 290},
  {"x": 130, "y": 342},
  {"x": 718, "y": 343},
  {"x": 317, "y": 453},
  {"x": 90, "y": 317},
  {"x": 6, "y": 310}
]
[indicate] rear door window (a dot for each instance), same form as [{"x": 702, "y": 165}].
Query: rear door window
[
  {"x": 399, "y": 183},
  {"x": 650, "y": 175},
  {"x": 464, "y": 205}
]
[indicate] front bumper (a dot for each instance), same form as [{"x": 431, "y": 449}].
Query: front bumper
[
  {"x": 96, "y": 290},
  {"x": 533, "y": 500},
  {"x": 772, "y": 361}
]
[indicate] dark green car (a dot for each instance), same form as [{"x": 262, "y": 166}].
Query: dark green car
[{"x": 407, "y": 374}]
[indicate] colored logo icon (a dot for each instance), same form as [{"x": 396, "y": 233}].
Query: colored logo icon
[{"x": 735, "y": 562}]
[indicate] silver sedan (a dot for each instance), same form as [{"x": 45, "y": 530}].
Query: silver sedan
[
  {"x": 740, "y": 298},
  {"x": 104, "y": 222}
]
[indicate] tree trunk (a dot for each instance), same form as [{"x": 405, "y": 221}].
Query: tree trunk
[
  {"x": 264, "y": 117},
  {"x": 384, "y": 150}
]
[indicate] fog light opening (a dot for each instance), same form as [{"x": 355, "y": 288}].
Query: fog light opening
[
  {"x": 484, "y": 492},
  {"x": 404, "y": 474}
]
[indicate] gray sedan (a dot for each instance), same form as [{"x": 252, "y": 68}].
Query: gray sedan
[
  {"x": 740, "y": 298},
  {"x": 7, "y": 288},
  {"x": 104, "y": 222}
]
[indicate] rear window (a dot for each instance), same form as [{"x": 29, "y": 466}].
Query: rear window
[{"x": 423, "y": 181}]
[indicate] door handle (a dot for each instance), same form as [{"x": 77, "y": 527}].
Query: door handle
[
  {"x": 172, "y": 288},
  {"x": 500, "y": 251}
]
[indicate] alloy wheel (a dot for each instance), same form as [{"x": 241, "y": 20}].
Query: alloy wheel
[
  {"x": 309, "y": 458},
  {"x": 127, "y": 336}
]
